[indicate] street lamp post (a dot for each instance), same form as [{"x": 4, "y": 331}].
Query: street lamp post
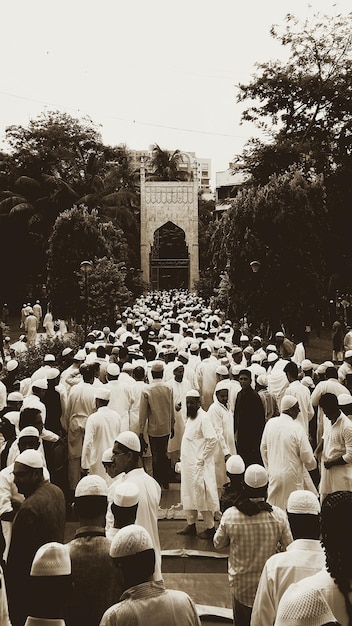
[{"x": 86, "y": 266}]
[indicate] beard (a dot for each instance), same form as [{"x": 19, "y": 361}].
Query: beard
[{"x": 192, "y": 412}]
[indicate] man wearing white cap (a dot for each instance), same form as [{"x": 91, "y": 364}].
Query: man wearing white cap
[
  {"x": 119, "y": 399},
  {"x": 286, "y": 452},
  {"x": 304, "y": 607},
  {"x": 102, "y": 428},
  {"x": 50, "y": 585},
  {"x": 41, "y": 372},
  {"x": 252, "y": 528},
  {"x": 299, "y": 391},
  {"x": 345, "y": 370},
  {"x": 304, "y": 557},
  {"x": 206, "y": 376},
  {"x": 124, "y": 506},
  {"x": 179, "y": 385},
  {"x": 96, "y": 585},
  {"x": 31, "y": 326},
  {"x": 235, "y": 469},
  {"x": 71, "y": 375},
  {"x": 157, "y": 410},
  {"x": 41, "y": 518},
  {"x": 222, "y": 421},
  {"x": 328, "y": 385},
  {"x": 198, "y": 478},
  {"x": 145, "y": 600},
  {"x": 34, "y": 398},
  {"x": 127, "y": 463},
  {"x": 336, "y": 467}
]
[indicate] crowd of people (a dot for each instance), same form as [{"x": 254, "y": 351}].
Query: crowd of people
[{"x": 258, "y": 436}]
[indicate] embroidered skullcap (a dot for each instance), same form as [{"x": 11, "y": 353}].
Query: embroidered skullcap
[
  {"x": 303, "y": 502},
  {"x": 222, "y": 370},
  {"x": 53, "y": 373},
  {"x": 11, "y": 365},
  {"x": 126, "y": 494},
  {"x": 102, "y": 393},
  {"x": 28, "y": 431},
  {"x": 244, "y": 338},
  {"x": 256, "y": 476},
  {"x": 343, "y": 399},
  {"x": 192, "y": 393},
  {"x": 31, "y": 458},
  {"x": 262, "y": 380},
  {"x": 130, "y": 440},
  {"x": 41, "y": 383},
  {"x": 130, "y": 540},
  {"x": 306, "y": 365},
  {"x": 15, "y": 396},
  {"x": 272, "y": 357},
  {"x": 157, "y": 366},
  {"x": 52, "y": 559},
  {"x": 288, "y": 402},
  {"x": 66, "y": 351},
  {"x": 49, "y": 358},
  {"x": 113, "y": 369},
  {"x": 107, "y": 456},
  {"x": 91, "y": 485},
  {"x": 303, "y": 607},
  {"x": 235, "y": 464}
]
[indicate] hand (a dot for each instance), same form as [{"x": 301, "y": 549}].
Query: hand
[
  {"x": 144, "y": 445},
  {"x": 16, "y": 502},
  {"x": 328, "y": 464},
  {"x": 172, "y": 433},
  {"x": 227, "y": 456}
]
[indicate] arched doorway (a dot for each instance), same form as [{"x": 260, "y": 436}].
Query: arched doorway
[{"x": 169, "y": 258}]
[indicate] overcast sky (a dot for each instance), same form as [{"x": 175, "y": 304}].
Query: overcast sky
[{"x": 147, "y": 71}]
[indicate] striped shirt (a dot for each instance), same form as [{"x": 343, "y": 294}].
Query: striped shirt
[{"x": 252, "y": 540}]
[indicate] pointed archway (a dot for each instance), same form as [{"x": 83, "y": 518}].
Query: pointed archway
[{"x": 169, "y": 258}]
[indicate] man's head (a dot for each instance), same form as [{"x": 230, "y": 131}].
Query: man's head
[
  {"x": 192, "y": 403},
  {"x": 237, "y": 355},
  {"x": 126, "y": 452},
  {"x": 235, "y": 469},
  {"x": 256, "y": 481},
  {"x": 345, "y": 403},
  {"x": 157, "y": 370},
  {"x": 139, "y": 373},
  {"x": 102, "y": 396},
  {"x": 291, "y": 371},
  {"x": 28, "y": 439},
  {"x": 222, "y": 392},
  {"x": 329, "y": 403},
  {"x": 7, "y": 428},
  {"x": 245, "y": 379},
  {"x": 290, "y": 406},
  {"x": 256, "y": 343},
  {"x": 53, "y": 376},
  {"x": 178, "y": 370},
  {"x": 304, "y": 607},
  {"x": 39, "y": 387},
  {"x": 303, "y": 512},
  {"x": 31, "y": 416},
  {"x": 15, "y": 400},
  {"x": 336, "y": 521},
  {"x": 50, "y": 582},
  {"x": 88, "y": 372},
  {"x": 125, "y": 504},
  {"x": 348, "y": 356},
  {"x": 132, "y": 550},
  {"x": 91, "y": 500},
  {"x": 279, "y": 338},
  {"x": 28, "y": 472}
]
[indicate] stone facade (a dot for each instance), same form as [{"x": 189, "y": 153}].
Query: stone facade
[{"x": 175, "y": 202}]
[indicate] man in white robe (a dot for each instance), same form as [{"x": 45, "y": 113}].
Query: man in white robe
[
  {"x": 286, "y": 451},
  {"x": 299, "y": 391},
  {"x": 222, "y": 421},
  {"x": 198, "y": 479},
  {"x": 179, "y": 385},
  {"x": 119, "y": 394},
  {"x": 336, "y": 468},
  {"x": 206, "y": 377},
  {"x": 102, "y": 428}
]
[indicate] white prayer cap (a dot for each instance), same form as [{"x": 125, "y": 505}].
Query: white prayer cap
[
  {"x": 113, "y": 369},
  {"x": 41, "y": 383},
  {"x": 288, "y": 402},
  {"x": 306, "y": 365},
  {"x": 66, "y": 351},
  {"x": 235, "y": 369},
  {"x": 107, "y": 456},
  {"x": 193, "y": 347},
  {"x": 307, "y": 381},
  {"x": 7, "y": 339},
  {"x": 321, "y": 369},
  {"x": 279, "y": 334},
  {"x": 262, "y": 380},
  {"x": 80, "y": 356},
  {"x": 126, "y": 494},
  {"x": 303, "y": 607},
  {"x": 52, "y": 559},
  {"x": 271, "y": 348},
  {"x": 177, "y": 364},
  {"x": 15, "y": 396},
  {"x": 127, "y": 367},
  {"x": 235, "y": 464},
  {"x": 130, "y": 440},
  {"x": 11, "y": 365},
  {"x": 249, "y": 350},
  {"x": 192, "y": 393},
  {"x": 222, "y": 370},
  {"x": 348, "y": 354},
  {"x": 343, "y": 399},
  {"x": 49, "y": 358},
  {"x": 130, "y": 540},
  {"x": 236, "y": 350},
  {"x": 256, "y": 476},
  {"x": 222, "y": 384},
  {"x": 91, "y": 485},
  {"x": 244, "y": 338},
  {"x": 53, "y": 373},
  {"x": 157, "y": 366},
  {"x": 257, "y": 338},
  {"x": 102, "y": 393},
  {"x": 272, "y": 357},
  {"x": 31, "y": 458},
  {"x": 184, "y": 355},
  {"x": 330, "y": 363},
  {"x": 28, "y": 431},
  {"x": 256, "y": 358},
  {"x": 13, "y": 417},
  {"x": 303, "y": 502}
]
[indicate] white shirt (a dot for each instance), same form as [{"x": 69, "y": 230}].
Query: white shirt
[{"x": 102, "y": 428}]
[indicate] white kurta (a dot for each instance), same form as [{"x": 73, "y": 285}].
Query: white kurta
[
  {"x": 222, "y": 420},
  {"x": 299, "y": 391},
  {"x": 206, "y": 379},
  {"x": 198, "y": 479},
  {"x": 119, "y": 401},
  {"x": 101, "y": 431},
  {"x": 179, "y": 391},
  {"x": 337, "y": 442},
  {"x": 285, "y": 451}
]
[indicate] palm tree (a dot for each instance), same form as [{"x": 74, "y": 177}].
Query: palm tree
[{"x": 165, "y": 165}]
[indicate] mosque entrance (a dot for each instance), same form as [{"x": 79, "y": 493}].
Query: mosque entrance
[{"x": 169, "y": 259}]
